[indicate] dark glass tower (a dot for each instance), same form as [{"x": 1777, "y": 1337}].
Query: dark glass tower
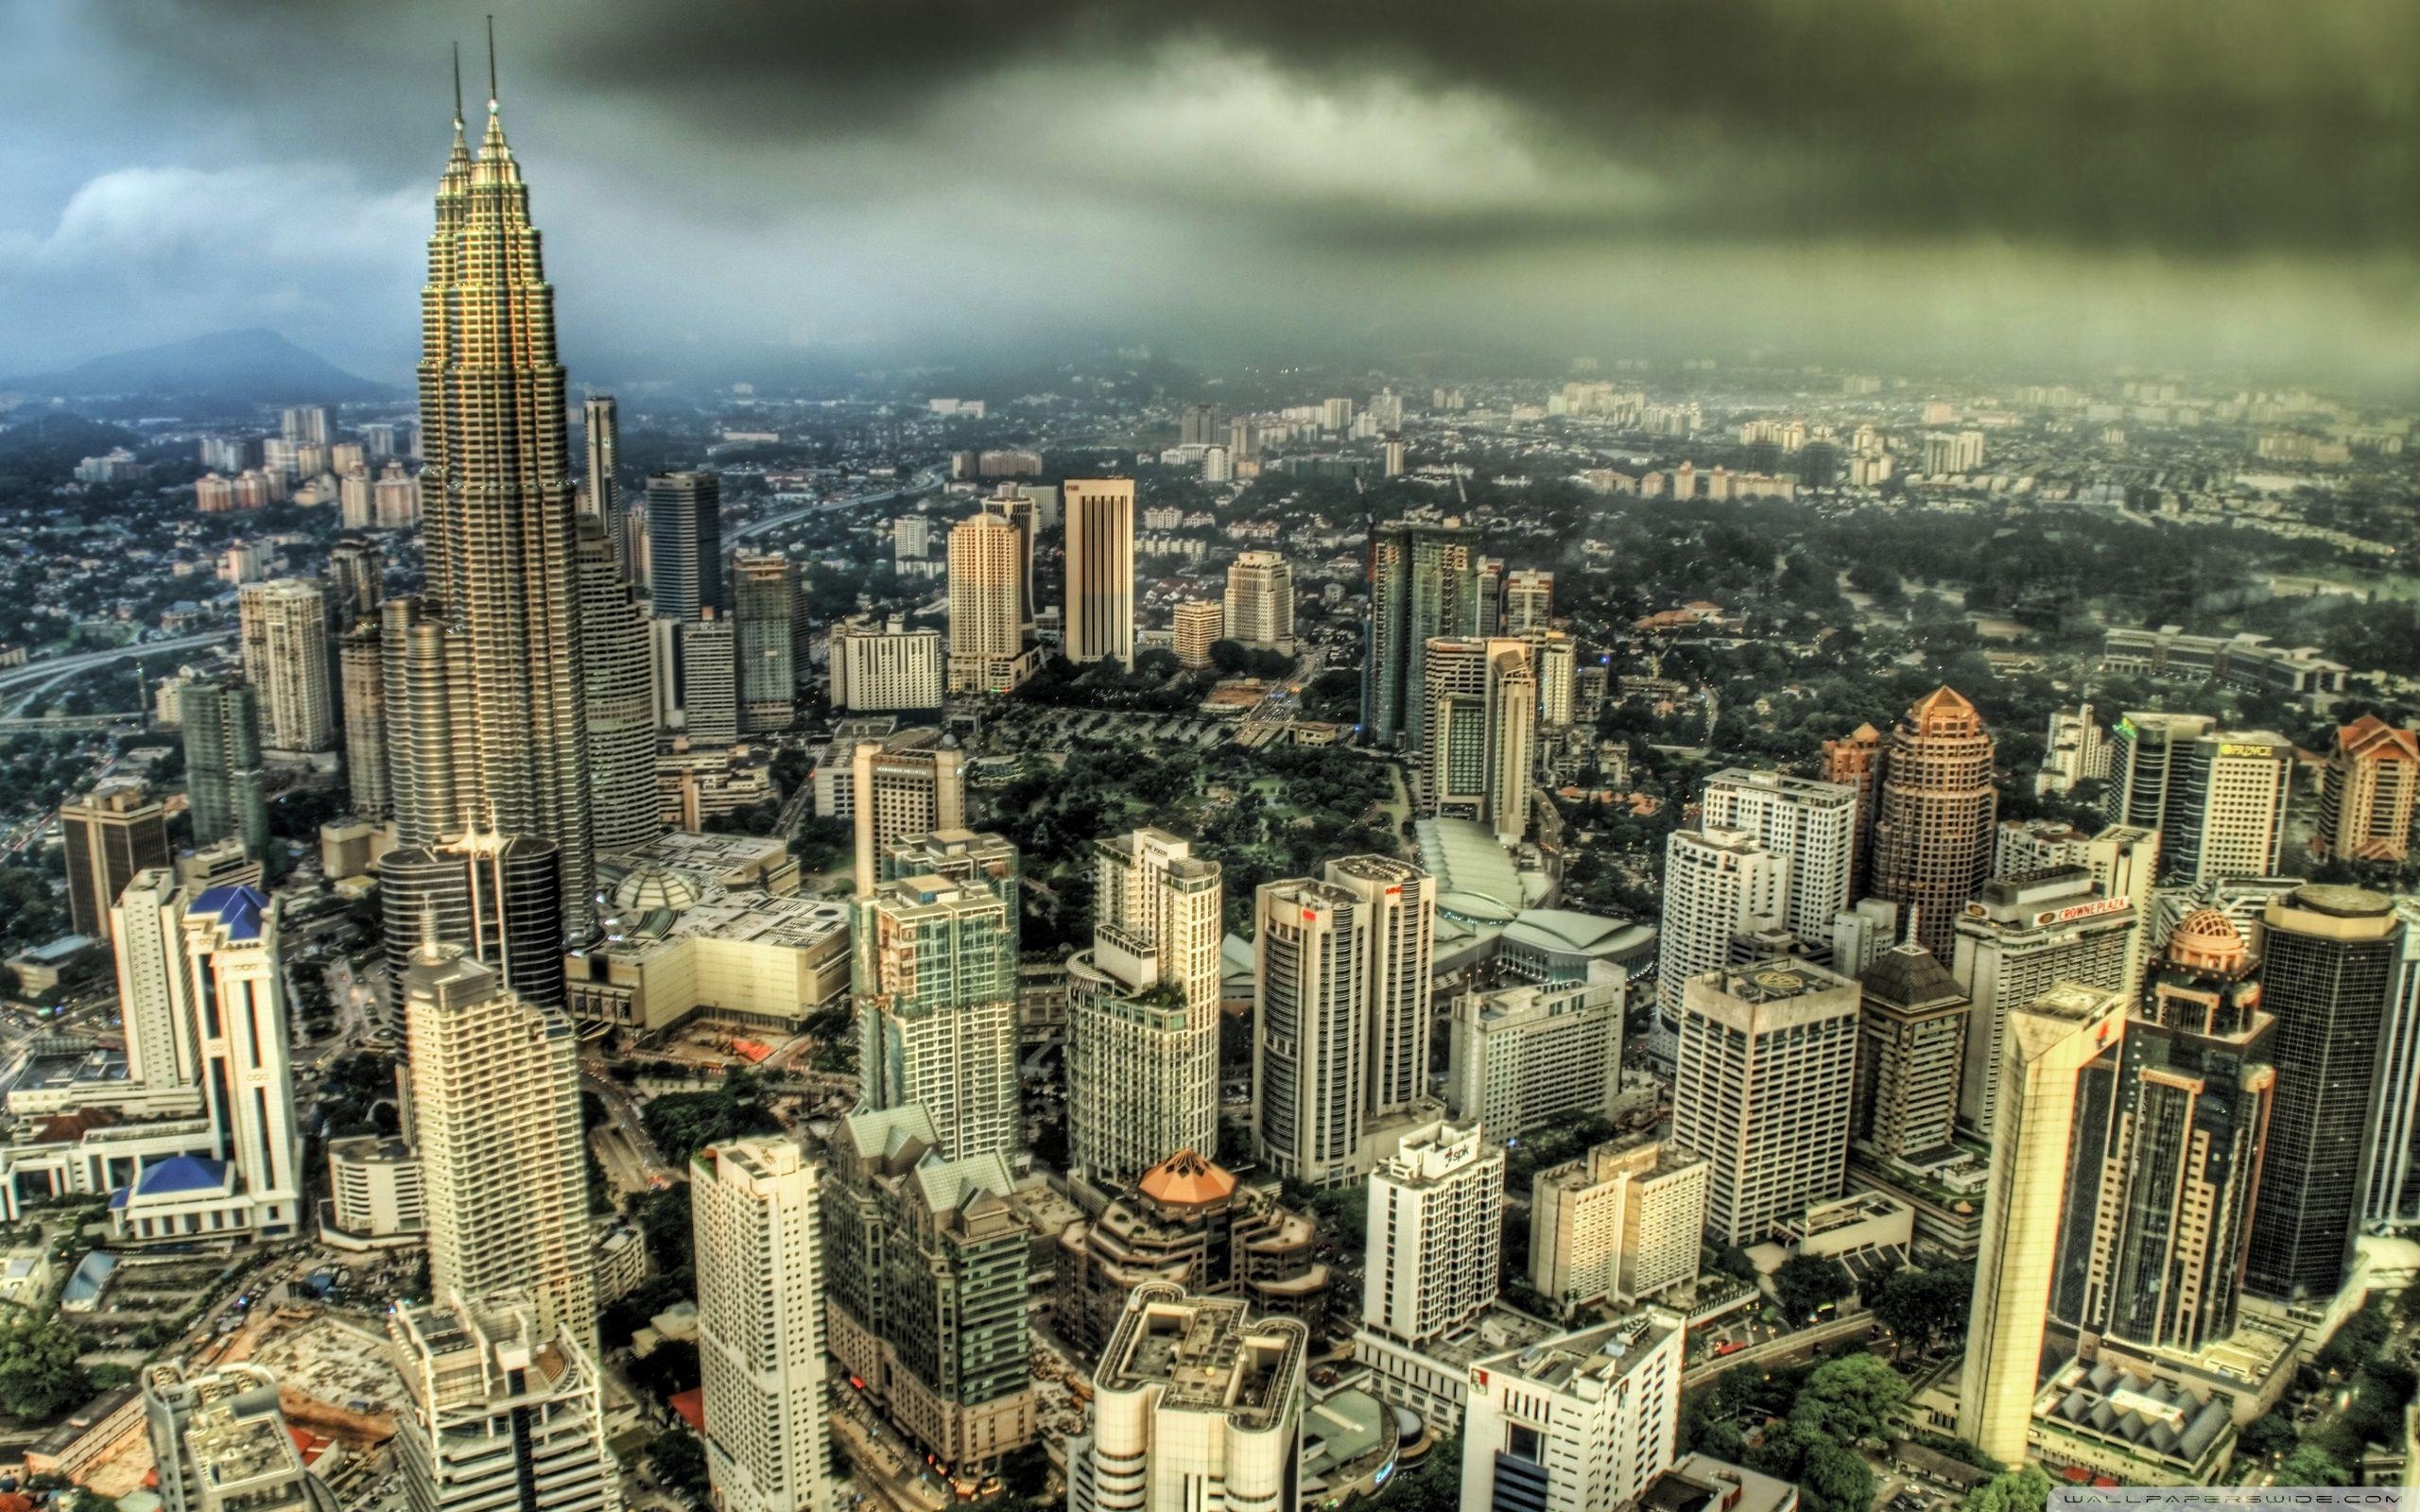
[
  {"x": 1424, "y": 583},
  {"x": 2328, "y": 963},
  {"x": 684, "y": 544},
  {"x": 499, "y": 898}
]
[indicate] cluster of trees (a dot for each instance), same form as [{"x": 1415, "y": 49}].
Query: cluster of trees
[
  {"x": 683, "y": 1123},
  {"x": 1926, "y": 1306},
  {"x": 1805, "y": 1284},
  {"x": 1831, "y": 1409},
  {"x": 39, "y": 1376}
]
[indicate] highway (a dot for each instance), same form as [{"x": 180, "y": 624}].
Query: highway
[
  {"x": 924, "y": 482},
  {"x": 51, "y": 667}
]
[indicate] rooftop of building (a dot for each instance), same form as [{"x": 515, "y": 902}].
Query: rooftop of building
[
  {"x": 2157, "y": 1419},
  {"x": 1806, "y": 789},
  {"x": 1911, "y": 978},
  {"x": 744, "y": 915},
  {"x": 1206, "y": 1353},
  {"x": 1701, "y": 1482},
  {"x": 1600, "y": 1355},
  {"x": 1776, "y": 981},
  {"x": 1476, "y": 878},
  {"x": 1188, "y": 1179}
]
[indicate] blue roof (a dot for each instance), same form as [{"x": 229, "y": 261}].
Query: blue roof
[
  {"x": 239, "y": 908},
  {"x": 178, "y": 1172}
]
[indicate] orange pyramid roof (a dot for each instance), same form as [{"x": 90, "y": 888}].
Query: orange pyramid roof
[{"x": 1185, "y": 1179}]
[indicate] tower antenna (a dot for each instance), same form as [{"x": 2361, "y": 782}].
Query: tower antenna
[
  {"x": 457, "y": 83},
  {"x": 491, "y": 59}
]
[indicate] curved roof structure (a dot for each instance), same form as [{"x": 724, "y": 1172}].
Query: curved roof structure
[{"x": 1185, "y": 1179}]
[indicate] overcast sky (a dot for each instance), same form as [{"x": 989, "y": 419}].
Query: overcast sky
[{"x": 2047, "y": 186}]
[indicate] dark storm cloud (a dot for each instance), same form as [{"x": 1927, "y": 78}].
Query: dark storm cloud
[{"x": 2187, "y": 126}]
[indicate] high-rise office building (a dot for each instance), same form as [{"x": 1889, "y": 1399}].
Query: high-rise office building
[
  {"x": 1537, "y": 1054},
  {"x": 1529, "y": 600},
  {"x": 1556, "y": 660},
  {"x": 1100, "y": 625},
  {"x": 1197, "y": 425},
  {"x": 2392, "y": 1184},
  {"x": 887, "y": 667},
  {"x": 228, "y": 994},
  {"x": 769, "y": 612},
  {"x": 1481, "y": 697},
  {"x": 1195, "y": 625},
  {"x": 990, "y": 591},
  {"x": 1341, "y": 986},
  {"x": 619, "y": 682},
  {"x": 1623, "y": 1221},
  {"x": 1812, "y": 825},
  {"x": 508, "y": 1410},
  {"x": 1029, "y": 510},
  {"x": 284, "y": 626},
  {"x": 926, "y": 1266},
  {"x": 147, "y": 938},
  {"x": 1436, "y": 1234},
  {"x": 432, "y": 739},
  {"x": 226, "y": 786},
  {"x": 684, "y": 544},
  {"x": 1767, "y": 1073},
  {"x": 902, "y": 789},
  {"x": 220, "y": 1442},
  {"x": 504, "y": 680},
  {"x": 1423, "y": 584},
  {"x": 2169, "y": 1163},
  {"x": 1932, "y": 824},
  {"x": 697, "y": 679},
  {"x": 2328, "y": 962},
  {"x": 1718, "y": 884},
  {"x": 2368, "y": 790},
  {"x": 2023, "y": 935},
  {"x": 303, "y": 424},
  {"x": 2124, "y": 860},
  {"x": 935, "y": 981},
  {"x": 1260, "y": 602},
  {"x": 2044, "y": 1055},
  {"x": 361, "y": 678},
  {"x": 1192, "y": 1392},
  {"x": 1143, "y": 1010},
  {"x": 112, "y": 833},
  {"x": 495, "y": 1109},
  {"x": 356, "y": 580},
  {"x": 1582, "y": 1422},
  {"x": 1911, "y": 1047},
  {"x": 600, "y": 482},
  {"x": 499, "y": 897},
  {"x": 2217, "y": 797},
  {"x": 396, "y": 499},
  {"x": 1856, "y": 760},
  {"x": 756, "y": 1208}
]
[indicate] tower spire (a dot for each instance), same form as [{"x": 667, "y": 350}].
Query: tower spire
[
  {"x": 492, "y": 62},
  {"x": 458, "y": 88}
]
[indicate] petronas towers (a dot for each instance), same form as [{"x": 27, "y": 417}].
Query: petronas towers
[{"x": 485, "y": 674}]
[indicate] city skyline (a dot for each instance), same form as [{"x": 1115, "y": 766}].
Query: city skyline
[{"x": 1293, "y": 188}]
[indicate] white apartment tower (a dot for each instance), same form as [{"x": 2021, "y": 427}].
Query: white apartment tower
[
  {"x": 1341, "y": 1031},
  {"x": 760, "y": 1325},
  {"x": 284, "y": 626},
  {"x": 1768, "y": 1066},
  {"x": 495, "y": 1104},
  {"x": 887, "y": 666},
  {"x": 1812, "y": 825},
  {"x": 1622, "y": 1222},
  {"x": 1260, "y": 602},
  {"x": 1717, "y": 885},
  {"x": 1101, "y": 570},
  {"x": 1143, "y": 1010},
  {"x": 1436, "y": 1234},
  {"x": 1481, "y": 697},
  {"x": 1579, "y": 1424},
  {"x": 507, "y": 1414},
  {"x": 1196, "y": 1405}
]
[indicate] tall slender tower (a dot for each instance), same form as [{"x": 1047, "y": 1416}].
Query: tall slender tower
[
  {"x": 765, "y": 604},
  {"x": 499, "y": 506},
  {"x": 284, "y": 624},
  {"x": 620, "y": 689},
  {"x": 1423, "y": 584},
  {"x": 1101, "y": 570},
  {"x": 1932, "y": 828}
]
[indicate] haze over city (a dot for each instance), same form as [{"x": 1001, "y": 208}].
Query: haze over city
[{"x": 2048, "y": 187}]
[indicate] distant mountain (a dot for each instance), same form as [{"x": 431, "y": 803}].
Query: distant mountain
[{"x": 255, "y": 366}]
